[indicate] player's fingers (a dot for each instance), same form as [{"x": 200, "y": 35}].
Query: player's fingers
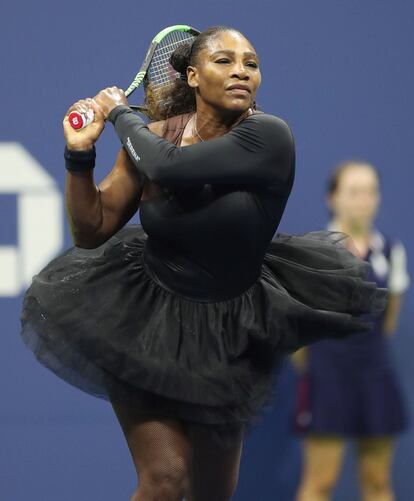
[
  {"x": 99, "y": 114},
  {"x": 82, "y": 106},
  {"x": 119, "y": 91}
]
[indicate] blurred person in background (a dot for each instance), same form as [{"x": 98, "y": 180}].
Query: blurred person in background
[{"x": 348, "y": 389}]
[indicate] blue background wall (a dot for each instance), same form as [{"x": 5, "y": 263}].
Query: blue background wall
[{"x": 339, "y": 72}]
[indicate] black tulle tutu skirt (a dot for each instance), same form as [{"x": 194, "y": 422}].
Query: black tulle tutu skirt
[{"x": 100, "y": 322}]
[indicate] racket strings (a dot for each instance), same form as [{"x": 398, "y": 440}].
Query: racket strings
[{"x": 160, "y": 72}]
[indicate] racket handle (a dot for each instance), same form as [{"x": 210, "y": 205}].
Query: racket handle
[{"x": 80, "y": 120}]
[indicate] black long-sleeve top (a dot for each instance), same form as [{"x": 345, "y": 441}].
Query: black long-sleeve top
[{"x": 222, "y": 203}]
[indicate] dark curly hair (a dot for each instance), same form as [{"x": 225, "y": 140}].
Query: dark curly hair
[{"x": 179, "y": 97}]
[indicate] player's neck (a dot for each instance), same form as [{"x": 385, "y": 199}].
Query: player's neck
[{"x": 210, "y": 123}]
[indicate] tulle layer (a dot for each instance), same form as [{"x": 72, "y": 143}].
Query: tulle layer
[{"x": 97, "y": 319}]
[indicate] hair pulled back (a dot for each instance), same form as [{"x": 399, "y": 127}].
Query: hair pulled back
[{"x": 179, "y": 97}]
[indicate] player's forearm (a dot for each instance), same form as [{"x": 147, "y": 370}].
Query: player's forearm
[{"x": 84, "y": 209}]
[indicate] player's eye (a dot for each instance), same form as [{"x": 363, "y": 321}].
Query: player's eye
[
  {"x": 252, "y": 64},
  {"x": 223, "y": 60}
]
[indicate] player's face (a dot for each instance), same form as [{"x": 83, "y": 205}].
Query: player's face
[
  {"x": 227, "y": 73},
  {"x": 357, "y": 196}
]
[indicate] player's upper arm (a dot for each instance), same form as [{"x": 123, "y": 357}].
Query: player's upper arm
[
  {"x": 120, "y": 193},
  {"x": 278, "y": 142},
  {"x": 121, "y": 190}
]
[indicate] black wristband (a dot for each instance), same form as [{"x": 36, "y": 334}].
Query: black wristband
[{"x": 79, "y": 161}]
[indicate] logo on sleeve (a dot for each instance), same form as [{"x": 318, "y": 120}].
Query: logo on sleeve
[{"x": 131, "y": 149}]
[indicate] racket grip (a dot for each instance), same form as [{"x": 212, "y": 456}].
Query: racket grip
[{"x": 80, "y": 120}]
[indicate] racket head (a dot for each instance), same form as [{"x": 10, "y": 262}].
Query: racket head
[{"x": 156, "y": 69}]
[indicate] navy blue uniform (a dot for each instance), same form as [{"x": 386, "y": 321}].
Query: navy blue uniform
[{"x": 351, "y": 387}]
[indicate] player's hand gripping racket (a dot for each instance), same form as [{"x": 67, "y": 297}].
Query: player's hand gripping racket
[{"x": 155, "y": 70}]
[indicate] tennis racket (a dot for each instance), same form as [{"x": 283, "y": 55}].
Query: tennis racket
[{"x": 155, "y": 70}]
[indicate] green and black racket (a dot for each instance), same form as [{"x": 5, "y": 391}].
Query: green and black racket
[{"x": 155, "y": 70}]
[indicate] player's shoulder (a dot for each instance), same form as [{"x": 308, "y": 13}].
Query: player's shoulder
[
  {"x": 172, "y": 123},
  {"x": 272, "y": 122},
  {"x": 268, "y": 118},
  {"x": 157, "y": 127},
  {"x": 274, "y": 130}
]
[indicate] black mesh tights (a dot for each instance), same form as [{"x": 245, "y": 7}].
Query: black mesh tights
[{"x": 176, "y": 462}]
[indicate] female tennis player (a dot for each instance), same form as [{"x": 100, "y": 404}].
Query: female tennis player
[
  {"x": 182, "y": 323},
  {"x": 351, "y": 386}
]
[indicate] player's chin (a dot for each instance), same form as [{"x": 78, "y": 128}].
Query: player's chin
[{"x": 238, "y": 105}]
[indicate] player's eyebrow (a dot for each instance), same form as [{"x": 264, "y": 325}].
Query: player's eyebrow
[{"x": 231, "y": 53}]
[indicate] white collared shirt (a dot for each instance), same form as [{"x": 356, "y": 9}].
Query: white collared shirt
[{"x": 390, "y": 266}]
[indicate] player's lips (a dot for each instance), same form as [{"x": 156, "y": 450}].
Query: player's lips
[{"x": 239, "y": 87}]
